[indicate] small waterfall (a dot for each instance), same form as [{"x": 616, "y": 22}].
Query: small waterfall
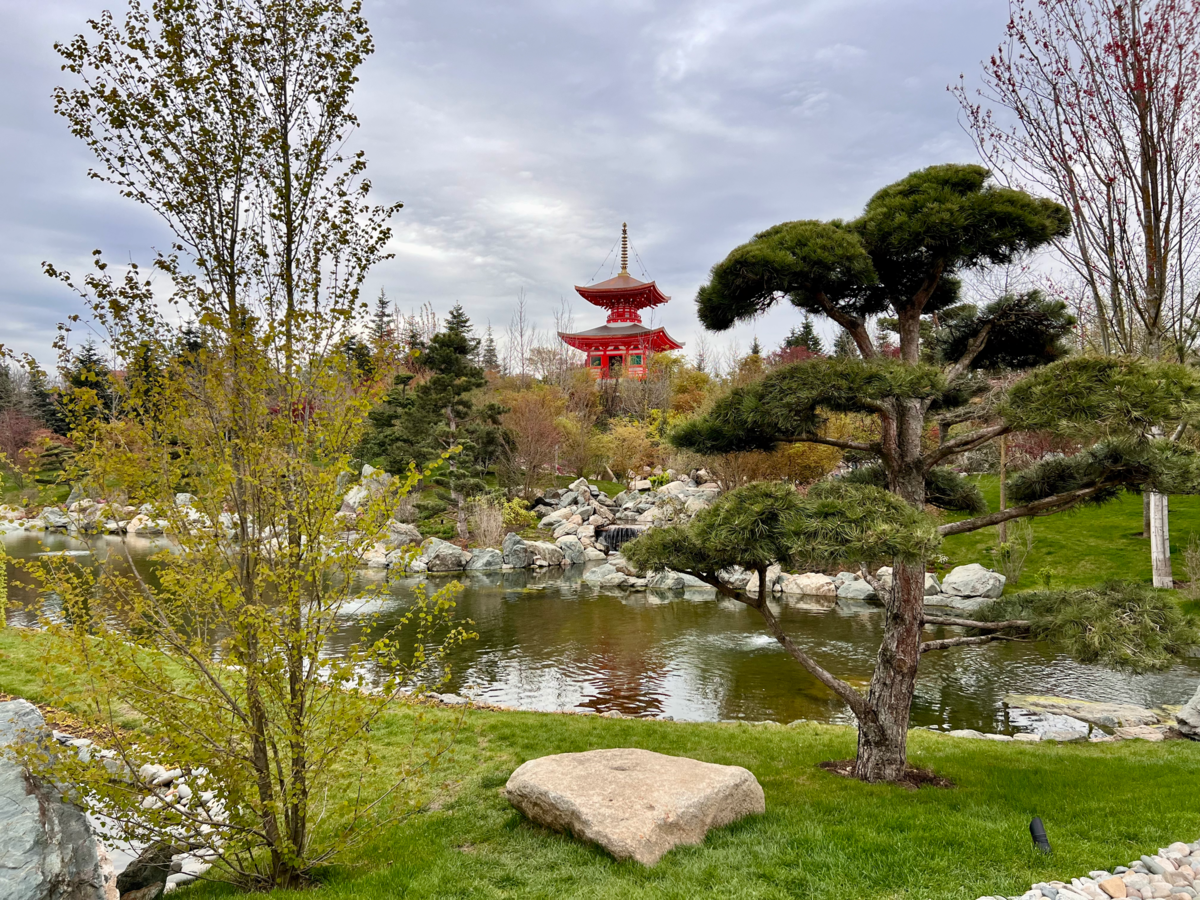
[{"x": 614, "y": 536}]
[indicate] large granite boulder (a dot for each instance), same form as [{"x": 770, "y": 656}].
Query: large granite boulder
[
  {"x": 401, "y": 534},
  {"x": 856, "y": 588},
  {"x": 515, "y": 551},
  {"x": 1187, "y": 720},
  {"x": 442, "y": 556},
  {"x": 485, "y": 559},
  {"x": 572, "y": 549},
  {"x": 47, "y": 848},
  {"x": 973, "y": 581},
  {"x": 545, "y": 553},
  {"x": 634, "y": 803}
]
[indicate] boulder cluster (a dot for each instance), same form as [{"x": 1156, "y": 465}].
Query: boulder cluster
[{"x": 1171, "y": 874}]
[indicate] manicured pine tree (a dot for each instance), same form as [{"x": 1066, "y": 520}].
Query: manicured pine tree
[{"x": 904, "y": 257}]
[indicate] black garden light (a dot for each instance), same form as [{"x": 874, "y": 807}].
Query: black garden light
[{"x": 1038, "y": 830}]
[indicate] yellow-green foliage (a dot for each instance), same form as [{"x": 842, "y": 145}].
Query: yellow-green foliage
[{"x": 518, "y": 515}]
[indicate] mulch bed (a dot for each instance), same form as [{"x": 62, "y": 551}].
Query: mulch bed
[{"x": 913, "y": 777}]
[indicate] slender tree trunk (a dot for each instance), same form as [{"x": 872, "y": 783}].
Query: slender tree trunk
[
  {"x": 1160, "y": 549},
  {"x": 1002, "y": 528}
]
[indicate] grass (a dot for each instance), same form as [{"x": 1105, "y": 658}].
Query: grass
[
  {"x": 1084, "y": 547},
  {"x": 822, "y": 837}
]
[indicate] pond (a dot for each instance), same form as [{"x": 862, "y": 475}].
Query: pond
[{"x": 548, "y": 642}]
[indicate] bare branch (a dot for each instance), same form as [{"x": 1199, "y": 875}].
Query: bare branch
[
  {"x": 965, "y": 642},
  {"x": 1045, "y": 507},
  {"x": 973, "y": 623}
]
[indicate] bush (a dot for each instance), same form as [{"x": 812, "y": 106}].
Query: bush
[{"x": 517, "y": 515}]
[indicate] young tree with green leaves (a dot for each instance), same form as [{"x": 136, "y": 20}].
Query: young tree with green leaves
[
  {"x": 903, "y": 257},
  {"x": 228, "y": 118}
]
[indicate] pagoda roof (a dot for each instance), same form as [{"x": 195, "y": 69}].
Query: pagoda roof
[
  {"x": 625, "y": 290},
  {"x": 621, "y": 336}
]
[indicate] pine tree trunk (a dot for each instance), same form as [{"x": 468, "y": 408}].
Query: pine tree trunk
[
  {"x": 883, "y": 732},
  {"x": 1160, "y": 547},
  {"x": 883, "y": 729}
]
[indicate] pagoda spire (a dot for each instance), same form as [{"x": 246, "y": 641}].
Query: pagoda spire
[{"x": 624, "y": 249}]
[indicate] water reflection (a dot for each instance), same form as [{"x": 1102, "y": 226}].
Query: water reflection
[{"x": 548, "y": 642}]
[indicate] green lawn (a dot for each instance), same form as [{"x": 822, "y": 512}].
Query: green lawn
[
  {"x": 823, "y": 837},
  {"x": 1084, "y": 547}
]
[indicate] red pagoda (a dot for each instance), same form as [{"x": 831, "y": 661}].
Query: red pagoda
[{"x": 621, "y": 346}]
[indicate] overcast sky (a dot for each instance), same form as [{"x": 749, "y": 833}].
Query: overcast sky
[{"x": 520, "y": 134}]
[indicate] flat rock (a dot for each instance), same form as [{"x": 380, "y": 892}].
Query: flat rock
[
  {"x": 812, "y": 584},
  {"x": 634, "y": 803},
  {"x": 1106, "y": 715}
]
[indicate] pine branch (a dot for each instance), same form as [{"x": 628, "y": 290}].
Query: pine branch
[
  {"x": 973, "y": 623},
  {"x": 974, "y": 348},
  {"x": 834, "y": 442},
  {"x": 1044, "y": 507},
  {"x": 965, "y": 442},
  {"x": 965, "y": 642}
]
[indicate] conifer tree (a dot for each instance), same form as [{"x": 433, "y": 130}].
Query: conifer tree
[
  {"x": 806, "y": 336},
  {"x": 490, "y": 359},
  {"x": 756, "y": 347},
  {"x": 380, "y": 320},
  {"x": 904, "y": 257},
  {"x": 843, "y": 346}
]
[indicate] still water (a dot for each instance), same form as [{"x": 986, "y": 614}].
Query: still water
[{"x": 548, "y": 642}]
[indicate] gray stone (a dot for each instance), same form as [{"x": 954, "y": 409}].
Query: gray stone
[
  {"x": 572, "y": 549},
  {"x": 634, "y": 803},
  {"x": 857, "y": 590},
  {"x": 515, "y": 551},
  {"x": 973, "y": 581},
  {"x": 606, "y": 576},
  {"x": 545, "y": 553},
  {"x": 55, "y": 518},
  {"x": 670, "y": 580},
  {"x": 591, "y": 554},
  {"x": 152, "y": 866},
  {"x": 485, "y": 559},
  {"x": 1187, "y": 720},
  {"x": 442, "y": 556},
  {"x": 400, "y": 534},
  {"x": 47, "y": 848}
]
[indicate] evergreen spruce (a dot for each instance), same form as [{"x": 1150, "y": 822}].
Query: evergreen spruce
[
  {"x": 490, "y": 359},
  {"x": 88, "y": 389},
  {"x": 756, "y": 347},
  {"x": 380, "y": 320},
  {"x": 806, "y": 336},
  {"x": 843, "y": 346}
]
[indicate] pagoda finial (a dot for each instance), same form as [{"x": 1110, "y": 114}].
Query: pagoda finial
[{"x": 624, "y": 249}]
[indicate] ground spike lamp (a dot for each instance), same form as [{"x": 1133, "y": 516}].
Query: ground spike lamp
[{"x": 622, "y": 346}]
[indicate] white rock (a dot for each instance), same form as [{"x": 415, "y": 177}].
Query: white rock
[
  {"x": 812, "y": 584},
  {"x": 634, "y": 803},
  {"x": 973, "y": 581}
]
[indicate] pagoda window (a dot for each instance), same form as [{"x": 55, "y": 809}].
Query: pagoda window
[
  {"x": 614, "y": 363},
  {"x": 635, "y": 359},
  {"x": 597, "y": 361}
]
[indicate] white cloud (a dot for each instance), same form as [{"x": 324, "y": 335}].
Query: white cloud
[{"x": 520, "y": 135}]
